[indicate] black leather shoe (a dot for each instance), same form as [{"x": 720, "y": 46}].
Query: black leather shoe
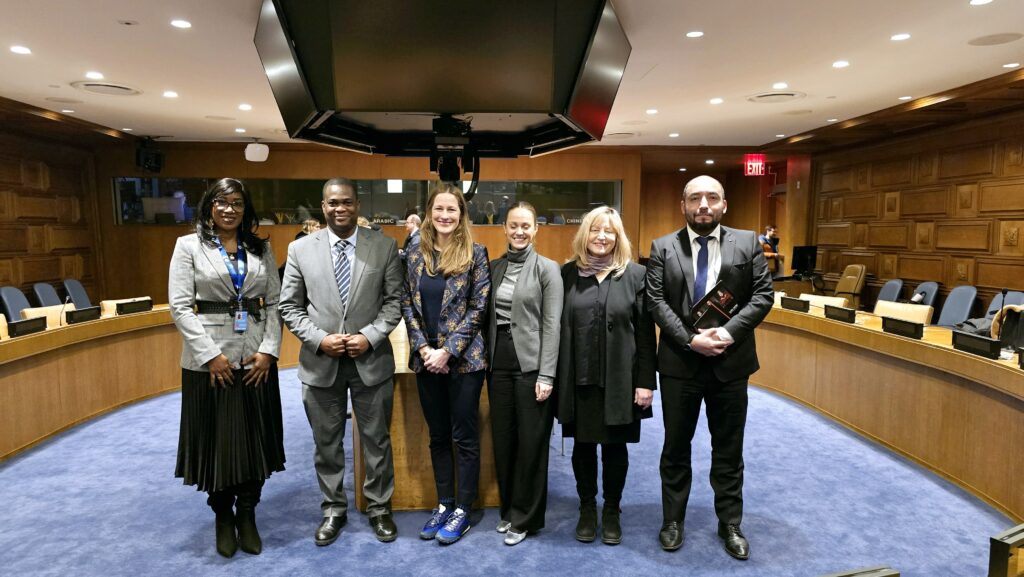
[
  {"x": 329, "y": 529},
  {"x": 735, "y": 543},
  {"x": 384, "y": 527},
  {"x": 671, "y": 535},
  {"x": 227, "y": 543},
  {"x": 611, "y": 528},
  {"x": 248, "y": 536},
  {"x": 586, "y": 528}
]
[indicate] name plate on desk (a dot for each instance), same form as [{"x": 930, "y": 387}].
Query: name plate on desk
[
  {"x": 841, "y": 314},
  {"x": 793, "y": 304},
  {"x": 134, "y": 306},
  {"x": 976, "y": 344},
  {"x": 82, "y": 315},
  {"x": 26, "y": 327},
  {"x": 902, "y": 328}
]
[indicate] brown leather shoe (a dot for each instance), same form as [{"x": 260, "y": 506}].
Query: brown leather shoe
[
  {"x": 734, "y": 541},
  {"x": 384, "y": 527}
]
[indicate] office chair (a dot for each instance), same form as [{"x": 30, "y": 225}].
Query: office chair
[
  {"x": 958, "y": 306},
  {"x": 851, "y": 284},
  {"x": 77, "y": 293},
  {"x": 996, "y": 304},
  {"x": 929, "y": 289},
  {"x": 891, "y": 290},
  {"x": 46, "y": 295},
  {"x": 14, "y": 302}
]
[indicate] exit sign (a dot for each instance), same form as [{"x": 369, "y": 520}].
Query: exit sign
[{"x": 753, "y": 165}]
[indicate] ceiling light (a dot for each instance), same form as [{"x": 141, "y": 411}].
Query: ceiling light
[
  {"x": 68, "y": 111},
  {"x": 900, "y": 37},
  {"x": 170, "y": 94},
  {"x": 780, "y": 86},
  {"x": 92, "y": 75},
  {"x": 980, "y": 2},
  {"x": 1011, "y": 65},
  {"x": 833, "y": 120},
  {"x": 126, "y": 130},
  {"x": 682, "y": 170},
  {"x": 840, "y": 64},
  {"x": 716, "y": 100},
  {"x": 181, "y": 24},
  {"x": 906, "y": 97},
  {"x": 673, "y": 135},
  {"x": 244, "y": 106},
  {"x": 780, "y": 136},
  {"x": 709, "y": 161},
  {"x": 240, "y": 130},
  {"x": 694, "y": 34},
  {"x": 652, "y": 111},
  {"x": 20, "y": 50}
]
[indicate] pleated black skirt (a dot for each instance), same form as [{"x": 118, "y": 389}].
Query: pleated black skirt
[
  {"x": 229, "y": 435},
  {"x": 590, "y": 426}
]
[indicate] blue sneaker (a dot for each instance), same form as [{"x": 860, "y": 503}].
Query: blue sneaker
[
  {"x": 456, "y": 526},
  {"x": 436, "y": 521}
]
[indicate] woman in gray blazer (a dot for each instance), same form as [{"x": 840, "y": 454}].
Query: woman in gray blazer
[
  {"x": 223, "y": 290},
  {"x": 524, "y": 313}
]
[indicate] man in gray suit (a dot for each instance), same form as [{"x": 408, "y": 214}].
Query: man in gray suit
[{"x": 341, "y": 297}]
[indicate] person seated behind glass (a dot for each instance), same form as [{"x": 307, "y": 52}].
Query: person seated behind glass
[{"x": 309, "y": 226}]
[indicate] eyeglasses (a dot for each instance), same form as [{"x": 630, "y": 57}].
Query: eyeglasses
[{"x": 237, "y": 206}]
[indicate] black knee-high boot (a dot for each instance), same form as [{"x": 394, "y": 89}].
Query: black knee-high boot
[
  {"x": 245, "y": 518},
  {"x": 584, "y": 467},
  {"x": 615, "y": 466},
  {"x": 222, "y": 502}
]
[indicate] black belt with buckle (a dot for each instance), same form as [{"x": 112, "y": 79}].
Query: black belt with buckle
[{"x": 251, "y": 306}]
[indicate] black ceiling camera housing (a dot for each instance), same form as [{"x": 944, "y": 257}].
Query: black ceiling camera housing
[
  {"x": 452, "y": 81},
  {"x": 148, "y": 157}
]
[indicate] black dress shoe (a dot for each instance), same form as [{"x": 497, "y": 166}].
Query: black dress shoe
[
  {"x": 671, "y": 535},
  {"x": 227, "y": 542},
  {"x": 384, "y": 527},
  {"x": 735, "y": 543},
  {"x": 329, "y": 529},
  {"x": 611, "y": 527},
  {"x": 586, "y": 528}
]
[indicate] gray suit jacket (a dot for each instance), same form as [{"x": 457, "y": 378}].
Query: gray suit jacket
[
  {"x": 311, "y": 306},
  {"x": 198, "y": 272},
  {"x": 536, "y": 313}
]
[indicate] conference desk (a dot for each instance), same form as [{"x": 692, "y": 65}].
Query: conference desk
[{"x": 959, "y": 414}]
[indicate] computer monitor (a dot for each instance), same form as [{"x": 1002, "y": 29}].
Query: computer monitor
[{"x": 805, "y": 259}]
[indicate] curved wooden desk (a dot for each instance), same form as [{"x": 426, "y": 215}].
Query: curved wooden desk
[
  {"x": 958, "y": 414},
  {"x": 52, "y": 380}
]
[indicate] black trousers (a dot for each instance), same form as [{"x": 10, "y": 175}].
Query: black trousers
[
  {"x": 726, "y": 410},
  {"x": 521, "y": 430},
  {"x": 614, "y": 466},
  {"x": 451, "y": 407},
  {"x": 245, "y": 495}
]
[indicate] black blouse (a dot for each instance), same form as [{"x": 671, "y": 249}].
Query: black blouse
[{"x": 588, "y": 324}]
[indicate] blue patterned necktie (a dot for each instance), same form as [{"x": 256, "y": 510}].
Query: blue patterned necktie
[
  {"x": 342, "y": 270},
  {"x": 700, "y": 283}
]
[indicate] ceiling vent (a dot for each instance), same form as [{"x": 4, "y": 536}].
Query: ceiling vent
[
  {"x": 776, "y": 96},
  {"x": 105, "y": 88},
  {"x": 619, "y": 135}
]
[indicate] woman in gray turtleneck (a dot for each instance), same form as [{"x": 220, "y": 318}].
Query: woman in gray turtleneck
[{"x": 524, "y": 314}]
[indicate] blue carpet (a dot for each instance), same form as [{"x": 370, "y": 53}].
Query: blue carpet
[{"x": 100, "y": 499}]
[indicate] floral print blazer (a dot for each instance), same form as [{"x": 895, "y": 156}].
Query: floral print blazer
[{"x": 463, "y": 310}]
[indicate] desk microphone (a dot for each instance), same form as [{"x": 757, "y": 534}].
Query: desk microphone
[
  {"x": 61, "y": 321},
  {"x": 917, "y": 298}
]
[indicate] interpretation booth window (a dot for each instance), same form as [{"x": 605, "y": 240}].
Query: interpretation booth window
[{"x": 291, "y": 201}]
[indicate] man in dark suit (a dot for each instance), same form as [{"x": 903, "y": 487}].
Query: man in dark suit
[{"x": 709, "y": 365}]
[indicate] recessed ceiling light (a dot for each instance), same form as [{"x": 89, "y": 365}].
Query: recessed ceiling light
[
  {"x": 980, "y": 2},
  {"x": 126, "y": 129},
  {"x": 673, "y": 135},
  {"x": 906, "y": 97},
  {"x": 181, "y": 24},
  {"x": 780, "y": 136},
  {"x": 716, "y": 100},
  {"x": 20, "y": 50},
  {"x": 170, "y": 94},
  {"x": 709, "y": 161},
  {"x": 900, "y": 37},
  {"x": 652, "y": 111},
  {"x": 240, "y": 130},
  {"x": 780, "y": 86},
  {"x": 1011, "y": 65},
  {"x": 694, "y": 34},
  {"x": 833, "y": 120},
  {"x": 682, "y": 170},
  {"x": 93, "y": 75},
  {"x": 68, "y": 111},
  {"x": 244, "y": 106},
  {"x": 840, "y": 64}
]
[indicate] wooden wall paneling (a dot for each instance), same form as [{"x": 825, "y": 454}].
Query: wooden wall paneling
[
  {"x": 10, "y": 171},
  {"x": 837, "y": 181},
  {"x": 998, "y": 273},
  {"x": 1001, "y": 196},
  {"x": 860, "y": 206},
  {"x": 924, "y": 236},
  {"x": 971, "y": 235},
  {"x": 13, "y": 238},
  {"x": 927, "y": 168},
  {"x": 823, "y": 206},
  {"x": 835, "y": 210},
  {"x": 888, "y": 235},
  {"x": 1008, "y": 239},
  {"x": 862, "y": 177},
  {"x": 921, "y": 267},
  {"x": 37, "y": 239},
  {"x": 67, "y": 237},
  {"x": 32, "y": 207},
  {"x": 930, "y": 202},
  {"x": 961, "y": 271},
  {"x": 965, "y": 200},
  {"x": 868, "y": 259},
  {"x": 892, "y": 173},
  {"x": 1013, "y": 157},
  {"x": 39, "y": 269},
  {"x": 834, "y": 234},
  {"x": 969, "y": 161},
  {"x": 8, "y": 205},
  {"x": 891, "y": 205},
  {"x": 69, "y": 210},
  {"x": 9, "y": 272},
  {"x": 860, "y": 235},
  {"x": 887, "y": 269},
  {"x": 35, "y": 174}
]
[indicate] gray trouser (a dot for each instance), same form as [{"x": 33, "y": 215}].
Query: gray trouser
[{"x": 325, "y": 409}]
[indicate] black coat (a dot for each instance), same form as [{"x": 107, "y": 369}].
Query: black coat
[{"x": 628, "y": 361}]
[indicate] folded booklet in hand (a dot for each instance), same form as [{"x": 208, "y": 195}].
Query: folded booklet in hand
[{"x": 715, "y": 308}]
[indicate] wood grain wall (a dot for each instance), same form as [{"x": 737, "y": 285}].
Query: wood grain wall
[
  {"x": 945, "y": 206},
  {"x": 47, "y": 214}
]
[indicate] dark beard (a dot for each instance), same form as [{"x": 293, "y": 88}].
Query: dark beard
[{"x": 701, "y": 228}]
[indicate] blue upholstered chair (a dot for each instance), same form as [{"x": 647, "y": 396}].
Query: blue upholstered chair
[
  {"x": 958, "y": 306},
  {"x": 891, "y": 290},
  {"x": 930, "y": 290},
  {"x": 46, "y": 295},
  {"x": 77, "y": 293},
  {"x": 1012, "y": 298},
  {"x": 14, "y": 302}
]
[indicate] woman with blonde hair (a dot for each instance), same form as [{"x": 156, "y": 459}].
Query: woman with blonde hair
[
  {"x": 606, "y": 365},
  {"x": 447, "y": 285}
]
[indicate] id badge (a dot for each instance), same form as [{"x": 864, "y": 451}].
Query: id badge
[{"x": 241, "y": 321}]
